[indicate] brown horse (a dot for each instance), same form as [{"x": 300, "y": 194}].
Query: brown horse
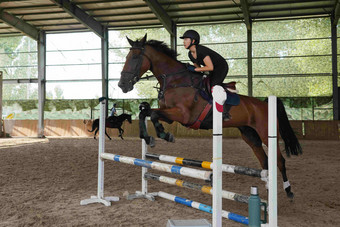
[{"x": 180, "y": 100}]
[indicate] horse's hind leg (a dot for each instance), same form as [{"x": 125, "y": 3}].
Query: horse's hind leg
[
  {"x": 281, "y": 162},
  {"x": 250, "y": 136},
  {"x": 95, "y": 133},
  {"x": 107, "y": 135}
]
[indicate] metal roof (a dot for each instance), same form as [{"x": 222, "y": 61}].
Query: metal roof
[{"x": 31, "y": 17}]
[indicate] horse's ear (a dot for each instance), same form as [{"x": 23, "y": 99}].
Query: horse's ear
[
  {"x": 143, "y": 40},
  {"x": 130, "y": 41}
]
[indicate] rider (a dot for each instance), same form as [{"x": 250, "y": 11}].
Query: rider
[
  {"x": 209, "y": 60},
  {"x": 112, "y": 118},
  {"x": 203, "y": 56},
  {"x": 113, "y": 110}
]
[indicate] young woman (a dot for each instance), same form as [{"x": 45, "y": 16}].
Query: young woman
[{"x": 205, "y": 59}]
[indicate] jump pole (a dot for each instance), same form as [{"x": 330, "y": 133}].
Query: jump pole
[{"x": 100, "y": 186}]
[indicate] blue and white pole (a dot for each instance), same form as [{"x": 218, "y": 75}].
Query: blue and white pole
[
  {"x": 184, "y": 171},
  {"x": 219, "y": 97},
  {"x": 203, "y": 207}
]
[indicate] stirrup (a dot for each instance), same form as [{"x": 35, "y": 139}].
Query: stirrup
[{"x": 226, "y": 116}]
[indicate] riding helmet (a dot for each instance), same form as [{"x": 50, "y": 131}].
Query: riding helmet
[{"x": 192, "y": 34}]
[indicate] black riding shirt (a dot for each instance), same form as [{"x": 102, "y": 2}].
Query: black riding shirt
[{"x": 220, "y": 65}]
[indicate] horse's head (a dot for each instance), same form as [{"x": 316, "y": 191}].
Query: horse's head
[{"x": 136, "y": 64}]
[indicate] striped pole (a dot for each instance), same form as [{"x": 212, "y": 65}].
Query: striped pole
[
  {"x": 202, "y": 188},
  {"x": 184, "y": 171},
  {"x": 263, "y": 174},
  {"x": 272, "y": 161},
  {"x": 203, "y": 207}
]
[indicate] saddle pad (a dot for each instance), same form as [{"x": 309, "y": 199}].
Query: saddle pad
[{"x": 232, "y": 98}]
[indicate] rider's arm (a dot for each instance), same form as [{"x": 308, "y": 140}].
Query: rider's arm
[{"x": 208, "y": 65}]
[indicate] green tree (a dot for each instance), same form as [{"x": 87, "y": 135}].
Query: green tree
[{"x": 18, "y": 60}]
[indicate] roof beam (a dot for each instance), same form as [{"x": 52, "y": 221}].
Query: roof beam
[
  {"x": 19, "y": 24},
  {"x": 164, "y": 18},
  {"x": 336, "y": 13},
  {"x": 81, "y": 16},
  {"x": 246, "y": 14}
]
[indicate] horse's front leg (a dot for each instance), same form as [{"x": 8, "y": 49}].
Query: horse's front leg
[
  {"x": 156, "y": 115},
  {"x": 121, "y": 131},
  {"x": 145, "y": 111}
]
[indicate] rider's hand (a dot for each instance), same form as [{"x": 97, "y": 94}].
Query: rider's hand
[{"x": 190, "y": 67}]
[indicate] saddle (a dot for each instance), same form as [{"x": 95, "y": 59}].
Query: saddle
[
  {"x": 204, "y": 121},
  {"x": 232, "y": 96}
]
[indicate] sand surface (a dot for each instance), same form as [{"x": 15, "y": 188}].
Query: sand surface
[{"x": 42, "y": 182}]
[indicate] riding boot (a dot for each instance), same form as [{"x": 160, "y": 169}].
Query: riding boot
[{"x": 226, "y": 108}]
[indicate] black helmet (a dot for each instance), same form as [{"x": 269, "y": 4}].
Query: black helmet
[{"x": 193, "y": 35}]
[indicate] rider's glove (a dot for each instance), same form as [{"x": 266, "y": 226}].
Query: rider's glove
[{"x": 190, "y": 67}]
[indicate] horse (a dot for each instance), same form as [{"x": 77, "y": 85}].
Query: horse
[
  {"x": 181, "y": 100},
  {"x": 112, "y": 122}
]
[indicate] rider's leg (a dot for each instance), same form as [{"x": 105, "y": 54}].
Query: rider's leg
[{"x": 217, "y": 78}]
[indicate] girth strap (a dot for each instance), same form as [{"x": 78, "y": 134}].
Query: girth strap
[{"x": 200, "y": 119}]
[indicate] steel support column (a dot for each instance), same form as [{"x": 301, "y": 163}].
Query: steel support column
[
  {"x": 174, "y": 37},
  {"x": 165, "y": 19},
  {"x": 250, "y": 60},
  {"x": 335, "y": 69},
  {"x": 42, "y": 81},
  {"x": 105, "y": 64}
]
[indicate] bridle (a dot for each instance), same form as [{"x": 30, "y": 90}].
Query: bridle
[{"x": 139, "y": 58}]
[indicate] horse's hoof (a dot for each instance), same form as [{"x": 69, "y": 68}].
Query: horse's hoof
[
  {"x": 170, "y": 137},
  {"x": 152, "y": 142},
  {"x": 290, "y": 195}
]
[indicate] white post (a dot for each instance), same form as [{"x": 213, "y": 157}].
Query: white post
[
  {"x": 100, "y": 191},
  {"x": 272, "y": 161},
  {"x": 144, "y": 169},
  {"x": 2, "y": 132},
  {"x": 219, "y": 97},
  {"x": 144, "y": 193},
  {"x": 100, "y": 186}
]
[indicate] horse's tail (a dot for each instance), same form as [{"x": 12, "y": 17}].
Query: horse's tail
[
  {"x": 292, "y": 145},
  {"x": 94, "y": 125}
]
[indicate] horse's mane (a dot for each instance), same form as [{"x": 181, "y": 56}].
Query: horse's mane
[{"x": 162, "y": 47}]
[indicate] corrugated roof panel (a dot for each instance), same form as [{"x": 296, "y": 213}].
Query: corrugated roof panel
[
  {"x": 286, "y": 13},
  {"x": 127, "y": 17},
  {"x": 24, "y": 4},
  {"x": 55, "y": 21},
  {"x": 119, "y": 10},
  {"x": 44, "y": 14},
  {"x": 21, "y": 11},
  {"x": 58, "y": 27}
]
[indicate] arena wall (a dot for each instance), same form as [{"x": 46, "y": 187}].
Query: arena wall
[{"x": 312, "y": 130}]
